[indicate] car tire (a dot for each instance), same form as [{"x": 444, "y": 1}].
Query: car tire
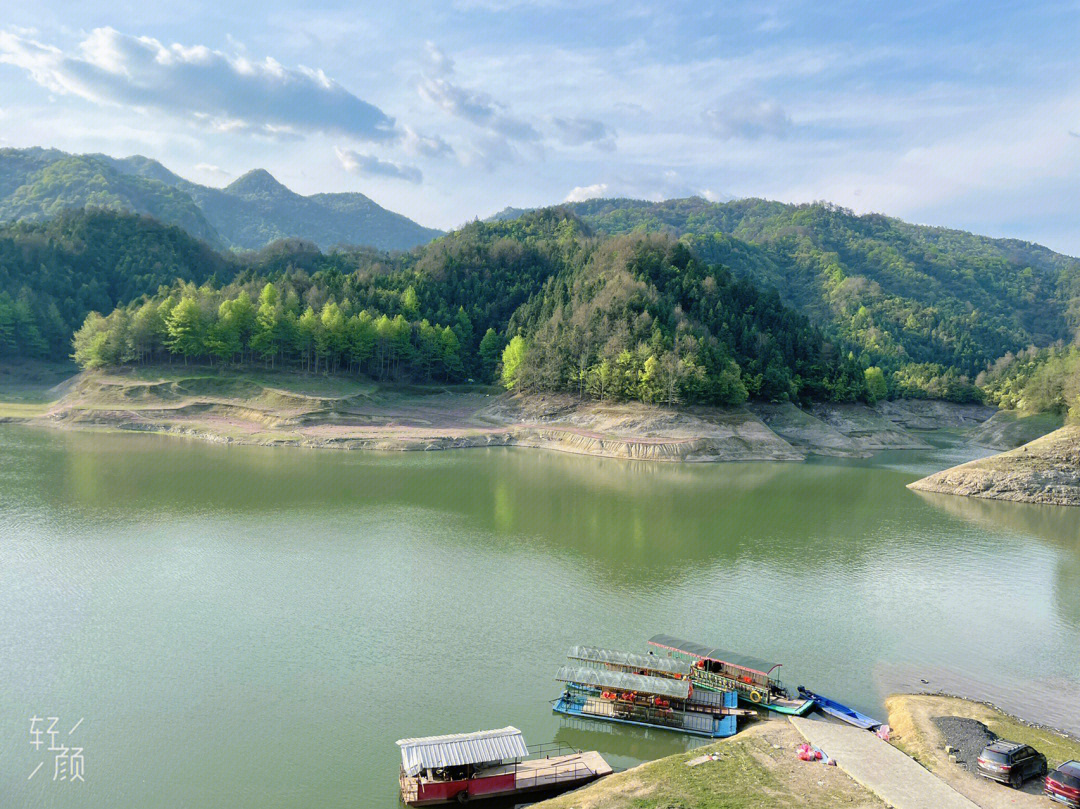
[{"x": 1015, "y": 781}]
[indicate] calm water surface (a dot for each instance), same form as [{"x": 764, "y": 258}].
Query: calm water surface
[{"x": 249, "y": 627}]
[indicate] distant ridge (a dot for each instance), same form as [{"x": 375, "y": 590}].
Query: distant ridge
[{"x": 255, "y": 209}]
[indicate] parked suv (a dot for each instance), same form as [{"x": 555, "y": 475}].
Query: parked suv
[
  {"x": 1011, "y": 763},
  {"x": 1063, "y": 784}
]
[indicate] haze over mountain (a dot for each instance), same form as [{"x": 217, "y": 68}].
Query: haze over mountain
[{"x": 256, "y": 209}]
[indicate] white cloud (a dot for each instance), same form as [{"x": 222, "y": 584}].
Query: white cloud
[
  {"x": 439, "y": 64},
  {"x": 210, "y": 170},
  {"x": 668, "y": 184},
  {"x": 231, "y": 93},
  {"x": 744, "y": 115},
  {"x": 424, "y": 145},
  {"x": 584, "y": 131},
  {"x": 474, "y": 106},
  {"x": 358, "y": 163},
  {"x": 488, "y": 153},
  {"x": 581, "y": 193}
]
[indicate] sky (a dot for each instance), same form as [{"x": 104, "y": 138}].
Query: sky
[{"x": 962, "y": 114}]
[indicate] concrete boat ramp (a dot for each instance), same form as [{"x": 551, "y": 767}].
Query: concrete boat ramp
[{"x": 893, "y": 776}]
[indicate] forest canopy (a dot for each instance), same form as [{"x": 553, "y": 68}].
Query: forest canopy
[{"x": 644, "y": 301}]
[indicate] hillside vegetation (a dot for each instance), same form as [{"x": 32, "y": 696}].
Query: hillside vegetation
[
  {"x": 899, "y": 293},
  {"x": 36, "y": 184},
  {"x": 53, "y": 273},
  {"x": 557, "y": 309}
]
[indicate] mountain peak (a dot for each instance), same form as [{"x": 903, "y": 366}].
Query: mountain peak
[{"x": 257, "y": 181}]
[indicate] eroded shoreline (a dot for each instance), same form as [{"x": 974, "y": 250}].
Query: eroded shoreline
[{"x": 318, "y": 412}]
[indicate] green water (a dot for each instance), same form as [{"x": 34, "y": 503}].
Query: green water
[{"x": 250, "y": 627}]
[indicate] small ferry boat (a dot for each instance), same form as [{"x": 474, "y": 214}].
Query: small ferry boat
[
  {"x": 716, "y": 669},
  {"x": 840, "y": 711},
  {"x": 611, "y": 687},
  {"x": 461, "y": 767}
]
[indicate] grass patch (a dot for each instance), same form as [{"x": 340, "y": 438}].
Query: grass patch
[
  {"x": 22, "y": 410},
  {"x": 751, "y": 773},
  {"x": 911, "y": 716}
]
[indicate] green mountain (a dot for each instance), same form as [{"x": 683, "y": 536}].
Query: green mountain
[
  {"x": 630, "y": 317},
  {"x": 897, "y": 293},
  {"x": 36, "y": 184}
]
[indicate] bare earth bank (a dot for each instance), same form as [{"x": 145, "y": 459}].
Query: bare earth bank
[
  {"x": 1046, "y": 470},
  {"x": 269, "y": 408}
]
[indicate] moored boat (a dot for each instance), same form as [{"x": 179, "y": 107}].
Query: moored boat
[
  {"x": 841, "y": 711},
  {"x": 461, "y": 767},
  {"x": 753, "y": 679},
  {"x": 646, "y": 700}
]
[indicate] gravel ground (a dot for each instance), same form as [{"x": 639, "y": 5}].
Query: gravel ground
[{"x": 969, "y": 736}]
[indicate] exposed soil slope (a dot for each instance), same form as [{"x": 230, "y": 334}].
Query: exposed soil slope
[
  {"x": 1046, "y": 470},
  {"x": 285, "y": 408}
]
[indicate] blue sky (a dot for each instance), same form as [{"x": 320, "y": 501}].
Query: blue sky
[{"x": 959, "y": 114}]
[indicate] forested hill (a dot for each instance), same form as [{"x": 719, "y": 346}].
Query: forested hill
[
  {"x": 900, "y": 293},
  {"x": 538, "y": 302},
  {"x": 36, "y": 184},
  {"x": 53, "y": 273}
]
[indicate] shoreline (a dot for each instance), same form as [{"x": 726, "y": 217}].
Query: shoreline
[
  {"x": 761, "y": 760},
  {"x": 285, "y": 409}
]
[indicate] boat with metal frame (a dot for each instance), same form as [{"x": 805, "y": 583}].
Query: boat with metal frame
[
  {"x": 645, "y": 700},
  {"x": 753, "y": 679}
]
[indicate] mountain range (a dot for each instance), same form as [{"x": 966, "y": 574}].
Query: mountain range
[{"x": 37, "y": 184}]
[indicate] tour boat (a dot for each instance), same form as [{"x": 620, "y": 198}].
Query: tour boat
[
  {"x": 719, "y": 670},
  {"x": 460, "y": 767},
  {"x": 643, "y": 690}
]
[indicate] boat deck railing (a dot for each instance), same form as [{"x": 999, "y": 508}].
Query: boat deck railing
[
  {"x": 549, "y": 749},
  {"x": 537, "y": 775}
]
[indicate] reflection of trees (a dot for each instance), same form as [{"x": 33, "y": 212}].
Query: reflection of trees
[
  {"x": 630, "y": 523},
  {"x": 1058, "y": 526}
]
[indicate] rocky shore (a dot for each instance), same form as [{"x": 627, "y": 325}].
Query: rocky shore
[
  {"x": 1046, "y": 470},
  {"x": 320, "y": 412}
]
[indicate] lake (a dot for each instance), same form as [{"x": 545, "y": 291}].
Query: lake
[{"x": 252, "y": 627}]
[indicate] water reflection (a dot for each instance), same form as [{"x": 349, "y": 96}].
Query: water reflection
[{"x": 1058, "y": 526}]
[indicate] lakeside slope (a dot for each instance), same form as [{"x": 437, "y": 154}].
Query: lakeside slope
[
  {"x": 288, "y": 409},
  {"x": 1046, "y": 470}
]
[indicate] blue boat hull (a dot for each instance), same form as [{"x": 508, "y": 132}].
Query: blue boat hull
[
  {"x": 841, "y": 711},
  {"x": 723, "y": 726}
]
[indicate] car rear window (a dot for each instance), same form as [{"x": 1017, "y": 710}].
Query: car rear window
[
  {"x": 995, "y": 756},
  {"x": 1069, "y": 775}
]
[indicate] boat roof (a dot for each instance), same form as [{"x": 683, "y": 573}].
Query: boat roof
[
  {"x": 754, "y": 664},
  {"x": 455, "y": 749},
  {"x": 649, "y": 662},
  {"x": 623, "y": 681}
]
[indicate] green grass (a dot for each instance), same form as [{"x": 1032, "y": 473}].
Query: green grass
[
  {"x": 22, "y": 410},
  {"x": 1054, "y": 746},
  {"x": 749, "y": 774}
]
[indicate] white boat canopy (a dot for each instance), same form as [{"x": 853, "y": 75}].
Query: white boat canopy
[{"x": 456, "y": 749}]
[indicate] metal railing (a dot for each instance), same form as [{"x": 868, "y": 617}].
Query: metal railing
[
  {"x": 562, "y": 772},
  {"x": 549, "y": 749}
]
